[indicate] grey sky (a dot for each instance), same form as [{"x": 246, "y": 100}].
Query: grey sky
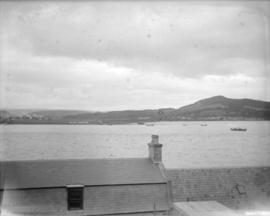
[{"x": 132, "y": 55}]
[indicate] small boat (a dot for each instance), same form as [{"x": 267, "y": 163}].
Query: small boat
[
  {"x": 203, "y": 125},
  {"x": 238, "y": 129}
]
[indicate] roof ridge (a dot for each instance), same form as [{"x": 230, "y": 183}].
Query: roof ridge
[{"x": 73, "y": 159}]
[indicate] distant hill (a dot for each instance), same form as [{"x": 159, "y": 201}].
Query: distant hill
[
  {"x": 18, "y": 112},
  {"x": 56, "y": 114},
  {"x": 222, "y": 108},
  {"x": 35, "y": 116},
  {"x": 214, "y": 108},
  {"x": 4, "y": 114},
  {"x": 126, "y": 116}
]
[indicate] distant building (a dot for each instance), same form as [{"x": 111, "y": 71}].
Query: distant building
[{"x": 86, "y": 187}]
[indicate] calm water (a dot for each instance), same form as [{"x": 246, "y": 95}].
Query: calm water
[{"x": 185, "y": 144}]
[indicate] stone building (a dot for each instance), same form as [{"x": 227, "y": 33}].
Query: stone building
[
  {"x": 87, "y": 187},
  {"x": 129, "y": 187}
]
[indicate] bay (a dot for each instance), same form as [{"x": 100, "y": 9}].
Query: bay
[{"x": 185, "y": 144}]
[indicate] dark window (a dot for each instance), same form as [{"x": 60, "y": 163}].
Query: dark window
[
  {"x": 75, "y": 198},
  {"x": 241, "y": 189}
]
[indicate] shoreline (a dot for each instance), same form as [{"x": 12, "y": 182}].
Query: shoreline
[{"x": 56, "y": 122}]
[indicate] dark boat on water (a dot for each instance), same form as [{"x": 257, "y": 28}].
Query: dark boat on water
[{"x": 238, "y": 129}]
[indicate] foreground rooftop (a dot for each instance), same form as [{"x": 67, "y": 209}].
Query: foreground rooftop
[{"x": 88, "y": 172}]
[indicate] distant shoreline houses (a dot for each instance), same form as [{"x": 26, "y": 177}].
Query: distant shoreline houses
[{"x": 48, "y": 121}]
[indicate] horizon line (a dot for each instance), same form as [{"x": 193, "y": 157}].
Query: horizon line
[{"x": 129, "y": 109}]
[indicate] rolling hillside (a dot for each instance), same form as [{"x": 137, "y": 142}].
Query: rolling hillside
[
  {"x": 222, "y": 108},
  {"x": 214, "y": 108}
]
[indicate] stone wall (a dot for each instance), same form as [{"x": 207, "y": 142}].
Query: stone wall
[{"x": 237, "y": 188}]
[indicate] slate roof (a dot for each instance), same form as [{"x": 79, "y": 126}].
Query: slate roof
[
  {"x": 233, "y": 187},
  {"x": 89, "y": 172}
]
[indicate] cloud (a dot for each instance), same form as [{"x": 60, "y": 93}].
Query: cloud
[
  {"x": 146, "y": 35},
  {"x": 66, "y": 83},
  {"x": 125, "y": 55}
]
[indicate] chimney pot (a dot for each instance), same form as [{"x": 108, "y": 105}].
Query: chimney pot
[{"x": 154, "y": 139}]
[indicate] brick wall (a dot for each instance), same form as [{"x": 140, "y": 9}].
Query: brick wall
[{"x": 238, "y": 188}]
